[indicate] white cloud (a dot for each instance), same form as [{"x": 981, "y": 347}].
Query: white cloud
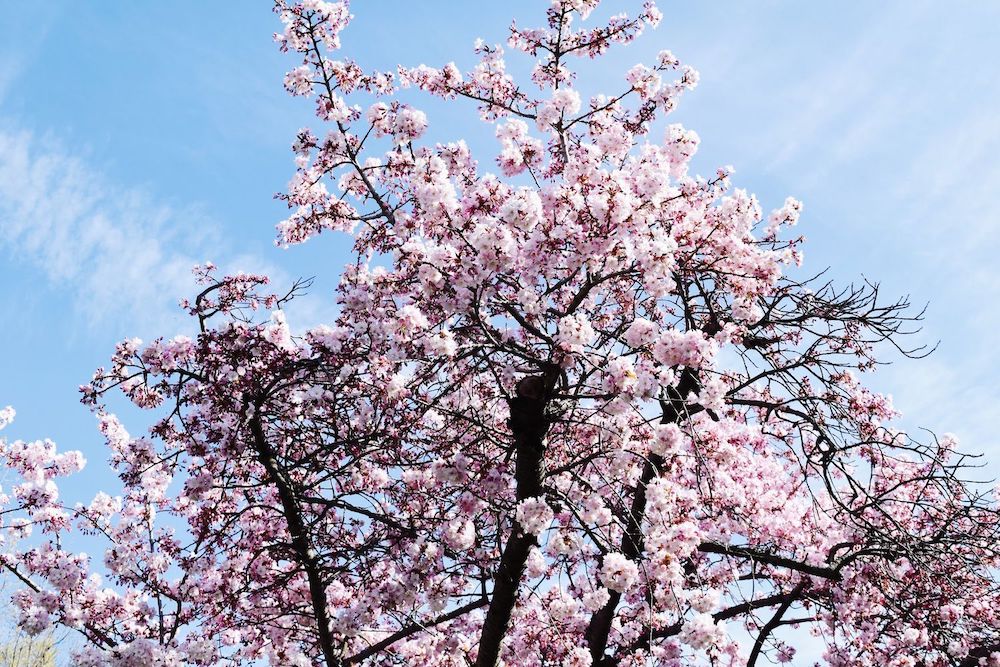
[
  {"x": 891, "y": 140},
  {"x": 122, "y": 257},
  {"x": 114, "y": 249}
]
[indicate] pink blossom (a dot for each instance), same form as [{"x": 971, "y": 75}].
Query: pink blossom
[
  {"x": 702, "y": 632},
  {"x": 534, "y": 515},
  {"x": 618, "y": 573}
]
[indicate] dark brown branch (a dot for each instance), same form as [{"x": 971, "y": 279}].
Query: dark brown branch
[
  {"x": 632, "y": 542},
  {"x": 730, "y": 612},
  {"x": 770, "y": 559},
  {"x": 304, "y": 552},
  {"x": 88, "y": 630},
  {"x": 984, "y": 651},
  {"x": 412, "y": 629},
  {"x": 528, "y": 424},
  {"x": 772, "y": 625}
]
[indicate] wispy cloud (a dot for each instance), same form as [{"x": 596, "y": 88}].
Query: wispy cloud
[
  {"x": 947, "y": 210},
  {"x": 122, "y": 257},
  {"x": 832, "y": 115},
  {"x": 891, "y": 140},
  {"x": 115, "y": 249}
]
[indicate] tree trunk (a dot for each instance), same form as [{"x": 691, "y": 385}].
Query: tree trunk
[{"x": 528, "y": 425}]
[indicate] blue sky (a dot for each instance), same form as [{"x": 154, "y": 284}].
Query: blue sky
[{"x": 139, "y": 138}]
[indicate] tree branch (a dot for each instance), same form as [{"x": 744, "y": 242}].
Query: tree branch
[
  {"x": 529, "y": 425},
  {"x": 300, "y": 541}
]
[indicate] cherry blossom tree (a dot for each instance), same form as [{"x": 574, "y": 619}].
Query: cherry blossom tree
[{"x": 583, "y": 411}]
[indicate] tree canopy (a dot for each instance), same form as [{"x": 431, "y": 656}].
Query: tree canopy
[{"x": 578, "y": 409}]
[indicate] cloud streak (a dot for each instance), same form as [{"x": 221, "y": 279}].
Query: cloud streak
[
  {"x": 122, "y": 257},
  {"x": 114, "y": 249}
]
